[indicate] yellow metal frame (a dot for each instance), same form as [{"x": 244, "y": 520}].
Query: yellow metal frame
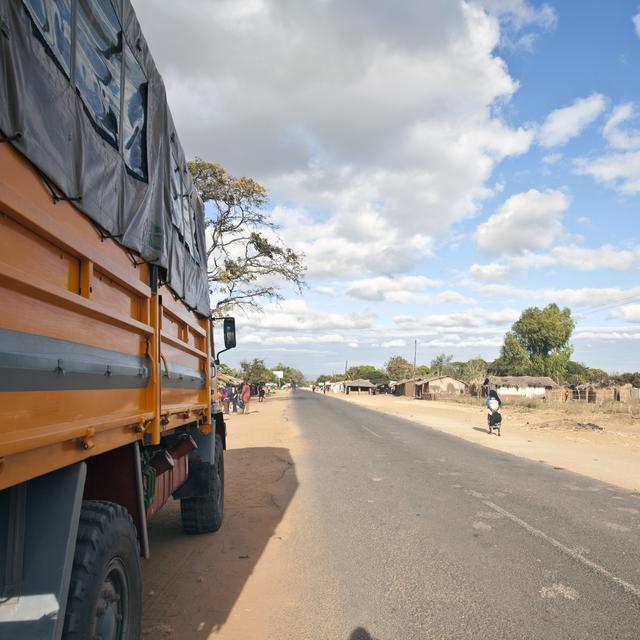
[{"x": 42, "y": 431}]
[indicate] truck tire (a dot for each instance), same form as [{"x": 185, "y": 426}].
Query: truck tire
[
  {"x": 105, "y": 592},
  {"x": 204, "y": 514}
]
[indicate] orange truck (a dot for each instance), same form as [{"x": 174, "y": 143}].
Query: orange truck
[{"x": 106, "y": 341}]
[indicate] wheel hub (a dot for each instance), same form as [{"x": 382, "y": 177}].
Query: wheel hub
[{"x": 111, "y": 612}]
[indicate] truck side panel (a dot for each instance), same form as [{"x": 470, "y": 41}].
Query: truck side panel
[{"x": 91, "y": 358}]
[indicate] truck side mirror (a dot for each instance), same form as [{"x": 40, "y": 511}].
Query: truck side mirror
[{"x": 229, "y": 329}]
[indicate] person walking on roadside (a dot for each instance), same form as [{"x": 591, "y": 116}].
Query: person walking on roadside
[
  {"x": 493, "y": 404},
  {"x": 245, "y": 396},
  {"x": 226, "y": 399},
  {"x": 219, "y": 397},
  {"x": 234, "y": 399},
  {"x": 261, "y": 394}
]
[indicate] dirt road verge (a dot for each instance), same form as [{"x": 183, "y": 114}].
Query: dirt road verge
[{"x": 199, "y": 586}]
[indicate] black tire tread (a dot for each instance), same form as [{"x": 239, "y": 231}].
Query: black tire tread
[
  {"x": 95, "y": 519},
  {"x": 201, "y": 515}
]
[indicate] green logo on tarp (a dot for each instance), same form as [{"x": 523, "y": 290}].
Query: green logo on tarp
[{"x": 156, "y": 236}]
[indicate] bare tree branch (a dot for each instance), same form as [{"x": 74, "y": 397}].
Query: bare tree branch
[{"x": 243, "y": 247}]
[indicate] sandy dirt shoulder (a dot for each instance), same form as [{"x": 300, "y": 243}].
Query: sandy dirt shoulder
[
  {"x": 550, "y": 435},
  {"x": 223, "y": 585}
]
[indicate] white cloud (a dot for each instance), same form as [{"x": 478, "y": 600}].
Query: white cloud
[
  {"x": 477, "y": 318},
  {"x": 461, "y": 342},
  {"x": 606, "y": 334},
  {"x": 444, "y": 297},
  {"x": 568, "y": 122},
  {"x": 569, "y": 256},
  {"x": 585, "y": 296},
  {"x": 297, "y": 315},
  {"x": 628, "y": 313},
  {"x": 395, "y": 343},
  {"x": 386, "y": 122},
  {"x": 621, "y": 171},
  {"x": 490, "y": 272},
  {"x": 517, "y": 16},
  {"x": 604, "y": 257},
  {"x": 636, "y": 23},
  {"x": 526, "y": 221},
  {"x": 552, "y": 158},
  {"x": 379, "y": 288},
  {"x": 327, "y": 291},
  {"x": 618, "y": 137}
]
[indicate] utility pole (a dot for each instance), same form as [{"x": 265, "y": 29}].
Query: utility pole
[
  {"x": 415, "y": 353},
  {"x": 346, "y": 366}
]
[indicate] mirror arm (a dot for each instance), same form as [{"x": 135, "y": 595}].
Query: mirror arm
[{"x": 217, "y": 358}]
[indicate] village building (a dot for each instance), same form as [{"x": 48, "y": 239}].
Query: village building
[
  {"x": 432, "y": 388},
  {"x": 541, "y": 387},
  {"x": 358, "y": 385},
  {"x": 405, "y": 387},
  {"x": 592, "y": 393},
  {"x": 429, "y": 388}
]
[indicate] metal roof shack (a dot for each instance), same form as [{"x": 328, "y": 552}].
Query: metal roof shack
[
  {"x": 358, "y": 385},
  {"x": 406, "y": 387}
]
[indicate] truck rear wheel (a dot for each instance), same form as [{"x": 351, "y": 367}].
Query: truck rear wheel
[
  {"x": 204, "y": 514},
  {"x": 105, "y": 593}
]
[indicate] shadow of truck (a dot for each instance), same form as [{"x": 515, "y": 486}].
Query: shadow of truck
[{"x": 191, "y": 583}]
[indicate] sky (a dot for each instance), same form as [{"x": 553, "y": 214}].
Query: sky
[{"x": 441, "y": 165}]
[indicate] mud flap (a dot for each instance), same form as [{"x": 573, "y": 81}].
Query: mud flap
[
  {"x": 38, "y": 528},
  {"x": 199, "y": 482}
]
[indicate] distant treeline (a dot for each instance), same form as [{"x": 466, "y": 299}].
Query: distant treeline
[{"x": 537, "y": 345}]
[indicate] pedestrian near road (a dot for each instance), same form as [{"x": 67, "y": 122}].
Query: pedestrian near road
[
  {"x": 260, "y": 393},
  {"x": 245, "y": 396},
  {"x": 234, "y": 399},
  {"x": 225, "y": 400},
  {"x": 493, "y": 404}
]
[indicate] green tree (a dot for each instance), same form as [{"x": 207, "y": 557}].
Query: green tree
[
  {"x": 599, "y": 376},
  {"x": 225, "y": 368},
  {"x": 243, "y": 251},
  {"x": 423, "y": 370},
  {"x": 339, "y": 377},
  {"x": 576, "y": 373},
  {"x": 513, "y": 360},
  {"x": 441, "y": 365},
  {"x": 367, "y": 372},
  {"x": 290, "y": 375},
  {"x": 475, "y": 370},
  {"x": 255, "y": 372},
  {"x": 398, "y": 368},
  {"x": 545, "y": 334}
]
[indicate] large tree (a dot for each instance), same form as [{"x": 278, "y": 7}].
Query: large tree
[
  {"x": 538, "y": 344},
  {"x": 367, "y": 372},
  {"x": 398, "y": 368},
  {"x": 474, "y": 370},
  {"x": 245, "y": 257},
  {"x": 290, "y": 375},
  {"x": 544, "y": 332},
  {"x": 255, "y": 372},
  {"x": 441, "y": 365},
  {"x": 513, "y": 360}
]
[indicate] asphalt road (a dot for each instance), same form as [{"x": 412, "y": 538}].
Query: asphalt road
[{"x": 433, "y": 537}]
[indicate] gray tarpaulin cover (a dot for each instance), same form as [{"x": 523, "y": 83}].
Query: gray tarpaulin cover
[{"x": 81, "y": 98}]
